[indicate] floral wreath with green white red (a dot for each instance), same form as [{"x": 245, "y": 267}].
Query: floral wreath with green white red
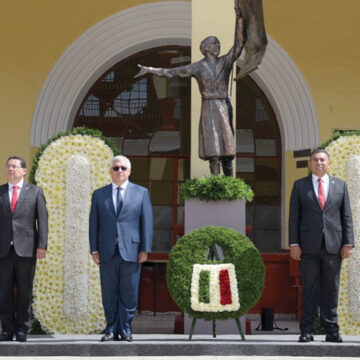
[{"x": 215, "y": 289}]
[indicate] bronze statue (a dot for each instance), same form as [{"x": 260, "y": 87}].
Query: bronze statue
[
  {"x": 254, "y": 33},
  {"x": 216, "y": 132}
]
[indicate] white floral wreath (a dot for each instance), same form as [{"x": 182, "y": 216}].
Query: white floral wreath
[
  {"x": 345, "y": 164},
  {"x": 67, "y": 293}
]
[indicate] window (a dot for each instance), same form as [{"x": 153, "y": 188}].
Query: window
[
  {"x": 258, "y": 162},
  {"x": 149, "y": 120}
]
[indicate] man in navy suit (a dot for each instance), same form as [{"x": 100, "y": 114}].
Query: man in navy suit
[
  {"x": 121, "y": 231},
  {"x": 320, "y": 236}
]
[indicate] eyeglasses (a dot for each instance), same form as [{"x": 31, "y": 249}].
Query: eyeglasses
[{"x": 117, "y": 168}]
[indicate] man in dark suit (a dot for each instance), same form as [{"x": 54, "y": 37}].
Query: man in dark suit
[
  {"x": 121, "y": 230},
  {"x": 320, "y": 236},
  {"x": 23, "y": 239}
]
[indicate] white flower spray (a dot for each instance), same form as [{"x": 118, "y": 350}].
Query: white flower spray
[
  {"x": 340, "y": 150},
  {"x": 55, "y": 275}
]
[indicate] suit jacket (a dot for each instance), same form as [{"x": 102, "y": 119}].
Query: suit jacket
[
  {"x": 28, "y": 226},
  {"x": 133, "y": 225},
  {"x": 308, "y": 223}
]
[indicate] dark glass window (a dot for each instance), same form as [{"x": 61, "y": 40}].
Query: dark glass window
[{"x": 258, "y": 162}]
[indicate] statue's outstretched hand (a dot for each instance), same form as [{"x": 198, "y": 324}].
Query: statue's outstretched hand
[{"x": 143, "y": 71}]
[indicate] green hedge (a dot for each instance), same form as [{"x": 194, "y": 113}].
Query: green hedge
[
  {"x": 215, "y": 188},
  {"x": 338, "y": 134},
  {"x": 237, "y": 249}
]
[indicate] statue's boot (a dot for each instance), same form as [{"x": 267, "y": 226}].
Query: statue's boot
[
  {"x": 215, "y": 166},
  {"x": 227, "y": 166}
]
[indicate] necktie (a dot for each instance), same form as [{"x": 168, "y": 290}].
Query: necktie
[
  {"x": 321, "y": 194},
  {"x": 118, "y": 201},
  {"x": 14, "y": 198}
]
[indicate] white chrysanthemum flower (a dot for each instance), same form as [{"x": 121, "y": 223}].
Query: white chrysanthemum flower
[
  {"x": 49, "y": 284},
  {"x": 214, "y": 288},
  {"x": 345, "y": 164}
]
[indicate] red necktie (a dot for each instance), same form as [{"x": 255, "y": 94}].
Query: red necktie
[
  {"x": 321, "y": 194},
  {"x": 14, "y": 198}
]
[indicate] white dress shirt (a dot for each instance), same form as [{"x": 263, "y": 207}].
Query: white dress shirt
[
  {"x": 325, "y": 183},
  {"x": 20, "y": 184},
  {"x": 122, "y": 192}
]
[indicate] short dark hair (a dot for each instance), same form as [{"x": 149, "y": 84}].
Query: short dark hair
[
  {"x": 319, "y": 150},
  {"x": 15, "y": 157}
]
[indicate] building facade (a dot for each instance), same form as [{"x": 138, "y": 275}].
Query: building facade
[{"x": 72, "y": 63}]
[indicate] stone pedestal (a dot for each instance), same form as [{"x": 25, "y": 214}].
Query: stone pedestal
[{"x": 230, "y": 214}]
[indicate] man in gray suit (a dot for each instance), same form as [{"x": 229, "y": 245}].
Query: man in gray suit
[
  {"x": 121, "y": 230},
  {"x": 320, "y": 236},
  {"x": 23, "y": 238}
]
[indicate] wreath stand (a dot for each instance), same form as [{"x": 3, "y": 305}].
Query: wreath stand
[{"x": 213, "y": 254}]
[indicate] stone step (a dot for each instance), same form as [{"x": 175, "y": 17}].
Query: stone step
[{"x": 179, "y": 345}]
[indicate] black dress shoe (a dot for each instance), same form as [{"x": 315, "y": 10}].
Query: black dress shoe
[
  {"x": 20, "y": 336},
  {"x": 108, "y": 337},
  {"x": 5, "y": 337},
  {"x": 305, "y": 337},
  {"x": 334, "y": 338},
  {"x": 126, "y": 337}
]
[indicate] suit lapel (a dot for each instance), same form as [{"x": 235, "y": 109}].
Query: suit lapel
[
  {"x": 331, "y": 191},
  {"x": 109, "y": 200},
  {"x": 23, "y": 195},
  {"x": 311, "y": 192},
  {"x": 126, "y": 198},
  {"x": 5, "y": 196}
]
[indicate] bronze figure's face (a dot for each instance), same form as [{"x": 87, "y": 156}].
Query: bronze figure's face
[{"x": 210, "y": 45}]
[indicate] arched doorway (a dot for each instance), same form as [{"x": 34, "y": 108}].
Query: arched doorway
[
  {"x": 149, "y": 120},
  {"x": 258, "y": 162}
]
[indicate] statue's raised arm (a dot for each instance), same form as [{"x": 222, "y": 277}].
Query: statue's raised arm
[{"x": 239, "y": 34}]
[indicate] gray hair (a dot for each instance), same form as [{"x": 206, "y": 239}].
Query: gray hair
[{"x": 120, "y": 158}]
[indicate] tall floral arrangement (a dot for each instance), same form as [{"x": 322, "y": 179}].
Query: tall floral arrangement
[
  {"x": 67, "y": 293},
  {"x": 344, "y": 152}
]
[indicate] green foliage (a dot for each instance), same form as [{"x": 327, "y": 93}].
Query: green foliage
[
  {"x": 204, "y": 295},
  {"x": 36, "y": 328},
  {"x": 318, "y": 328},
  {"x": 237, "y": 249},
  {"x": 338, "y": 134},
  {"x": 216, "y": 188},
  {"x": 82, "y": 130}
]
